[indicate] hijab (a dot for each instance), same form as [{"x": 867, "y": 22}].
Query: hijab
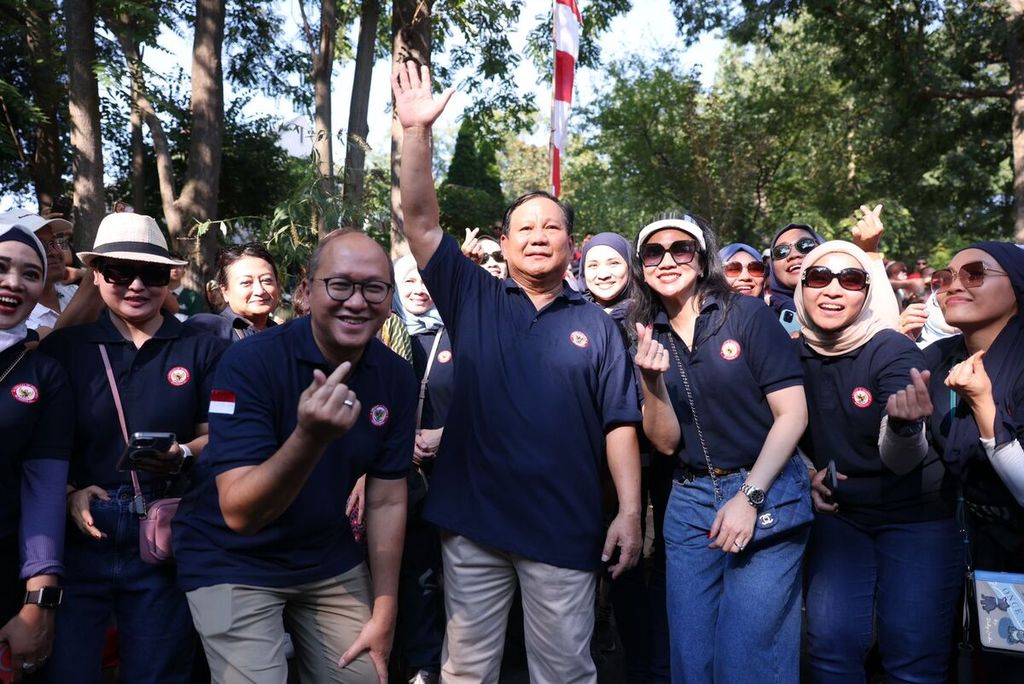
[
  {"x": 1004, "y": 365},
  {"x": 621, "y": 247},
  {"x": 782, "y": 296},
  {"x": 729, "y": 251},
  {"x": 19, "y": 233},
  {"x": 879, "y": 312},
  {"x": 416, "y": 324}
]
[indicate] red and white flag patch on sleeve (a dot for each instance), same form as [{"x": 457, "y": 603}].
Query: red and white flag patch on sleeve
[{"x": 222, "y": 402}]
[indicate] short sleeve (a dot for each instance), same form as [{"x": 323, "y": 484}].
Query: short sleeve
[
  {"x": 772, "y": 357},
  {"x": 395, "y": 456},
  {"x": 51, "y": 436},
  {"x": 618, "y": 392},
  {"x": 453, "y": 280},
  {"x": 892, "y": 363},
  {"x": 242, "y": 416}
]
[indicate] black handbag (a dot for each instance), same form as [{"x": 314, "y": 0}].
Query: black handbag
[{"x": 787, "y": 503}]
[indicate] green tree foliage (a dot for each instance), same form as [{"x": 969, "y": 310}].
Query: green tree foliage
[{"x": 470, "y": 195}]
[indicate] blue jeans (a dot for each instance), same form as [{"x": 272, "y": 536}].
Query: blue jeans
[
  {"x": 899, "y": 582},
  {"x": 106, "y": 577},
  {"x": 733, "y": 618}
]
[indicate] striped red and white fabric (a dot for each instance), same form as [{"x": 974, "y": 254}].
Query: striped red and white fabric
[{"x": 568, "y": 26}]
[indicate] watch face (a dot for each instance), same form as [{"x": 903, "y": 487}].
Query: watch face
[{"x": 756, "y": 497}]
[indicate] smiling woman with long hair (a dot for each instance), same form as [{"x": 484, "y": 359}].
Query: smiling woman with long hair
[
  {"x": 723, "y": 396},
  {"x": 977, "y": 390},
  {"x": 35, "y": 406}
]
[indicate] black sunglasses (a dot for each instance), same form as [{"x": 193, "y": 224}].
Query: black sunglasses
[
  {"x": 682, "y": 251},
  {"x": 124, "y": 274},
  {"x": 803, "y": 245},
  {"x": 970, "y": 275},
  {"x": 496, "y": 255},
  {"x": 854, "y": 279}
]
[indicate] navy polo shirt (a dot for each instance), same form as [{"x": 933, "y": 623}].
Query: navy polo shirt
[
  {"x": 846, "y": 397},
  {"x": 37, "y": 409},
  {"x": 441, "y": 381},
  {"x": 164, "y": 387},
  {"x": 535, "y": 392},
  {"x": 227, "y": 325},
  {"x": 254, "y": 410},
  {"x": 737, "y": 359}
]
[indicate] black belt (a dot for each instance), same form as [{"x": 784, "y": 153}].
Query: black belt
[{"x": 685, "y": 472}]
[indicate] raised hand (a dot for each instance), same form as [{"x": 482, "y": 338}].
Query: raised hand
[
  {"x": 328, "y": 408},
  {"x": 914, "y": 402},
  {"x": 471, "y": 246},
  {"x": 651, "y": 357},
  {"x": 414, "y": 102},
  {"x": 969, "y": 379},
  {"x": 867, "y": 233},
  {"x": 913, "y": 319}
]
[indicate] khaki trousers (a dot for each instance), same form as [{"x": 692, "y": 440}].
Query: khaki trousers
[
  {"x": 243, "y": 627},
  {"x": 558, "y": 609}
]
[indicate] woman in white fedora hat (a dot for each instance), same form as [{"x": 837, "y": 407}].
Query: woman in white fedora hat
[
  {"x": 35, "y": 402},
  {"x": 136, "y": 369}
]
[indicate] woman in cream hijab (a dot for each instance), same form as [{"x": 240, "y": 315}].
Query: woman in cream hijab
[{"x": 883, "y": 558}]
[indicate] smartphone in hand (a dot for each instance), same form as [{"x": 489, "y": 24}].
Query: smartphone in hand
[
  {"x": 833, "y": 478},
  {"x": 143, "y": 446},
  {"x": 789, "y": 321}
]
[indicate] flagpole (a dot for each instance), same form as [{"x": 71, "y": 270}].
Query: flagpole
[{"x": 554, "y": 76}]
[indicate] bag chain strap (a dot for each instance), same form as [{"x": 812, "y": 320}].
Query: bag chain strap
[
  {"x": 696, "y": 421},
  {"x": 11, "y": 367}
]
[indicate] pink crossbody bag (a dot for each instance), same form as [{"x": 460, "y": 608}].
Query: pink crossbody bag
[{"x": 154, "y": 518}]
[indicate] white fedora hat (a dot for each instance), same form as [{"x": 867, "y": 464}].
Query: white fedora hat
[{"x": 132, "y": 237}]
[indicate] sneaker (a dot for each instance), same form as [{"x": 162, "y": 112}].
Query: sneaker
[{"x": 425, "y": 677}]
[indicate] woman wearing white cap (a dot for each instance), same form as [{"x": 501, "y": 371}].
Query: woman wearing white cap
[
  {"x": 136, "y": 369},
  {"x": 35, "y": 405},
  {"x": 723, "y": 395}
]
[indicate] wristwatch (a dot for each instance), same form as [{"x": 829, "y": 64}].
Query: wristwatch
[
  {"x": 45, "y": 597},
  {"x": 755, "y": 495}
]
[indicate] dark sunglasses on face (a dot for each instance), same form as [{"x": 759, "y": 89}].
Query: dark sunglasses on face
[
  {"x": 970, "y": 275},
  {"x": 755, "y": 268},
  {"x": 152, "y": 275},
  {"x": 853, "y": 279},
  {"x": 682, "y": 251},
  {"x": 494, "y": 256},
  {"x": 803, "y": 245}
]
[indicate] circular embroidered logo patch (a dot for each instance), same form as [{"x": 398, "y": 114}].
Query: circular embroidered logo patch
[
  {"x": 730, "y": 350},
  {"x": 25, "y": 393},
  {"x": 861, "y": 397},
  {"x": 379, "y": 415},
  {"x": 444, "y": 357},
  {"x": 580, "y": 339},
  {"x": 178, "y": 376}
]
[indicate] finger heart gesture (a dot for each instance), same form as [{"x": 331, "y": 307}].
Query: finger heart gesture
[
  {"x": 328, "y": 408},
  {"x": 968, "y": 378},
  {"x": 651, "y": 356},
  {"x": 914, "y": 402}
]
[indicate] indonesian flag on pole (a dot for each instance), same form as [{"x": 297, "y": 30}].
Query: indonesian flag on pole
[{"x": 568, "y": 24}]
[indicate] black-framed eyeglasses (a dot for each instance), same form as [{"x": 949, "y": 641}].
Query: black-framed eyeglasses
[
  {"x": 970, "y": 275},
  {"x": 853, "y": 279},
  {"x": 340, "y": 289},
  {"x": 755, "y": 268},
  {"x": 803, "y": 245},
  {"x": 124, "y": 274},
  {"x": 682, "y": 251}
]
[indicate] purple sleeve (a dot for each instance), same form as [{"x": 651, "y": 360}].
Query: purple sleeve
[{"x": 43, "y": 512}]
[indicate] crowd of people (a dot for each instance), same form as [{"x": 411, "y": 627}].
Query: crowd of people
[{"x": 816, "y": 445}]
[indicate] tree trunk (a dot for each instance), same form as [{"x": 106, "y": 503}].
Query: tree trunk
[
  {"x": 1015, "y": 55},
  {"x": 201, "y": 190},
  {"x": 323, "y": 67},
  {"x": 410, "y": 35},
  {"x": 138, "y": 144},
  {"x": 84, "y": 106},
  {"x": 46, "y": 165},
  {"x": 358, "y": 126}
]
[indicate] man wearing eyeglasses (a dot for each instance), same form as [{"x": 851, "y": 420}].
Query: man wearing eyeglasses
[
  {"x": 543, "y": 397},
  {"x": 55, "y": 234},
  {"x": 299, "y": 412}
]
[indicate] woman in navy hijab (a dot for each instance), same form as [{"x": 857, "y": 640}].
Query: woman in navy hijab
[{"x": 977, "y": 392}]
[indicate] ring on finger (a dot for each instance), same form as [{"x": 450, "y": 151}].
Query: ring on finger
[{"x": 349, "y": 402}]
